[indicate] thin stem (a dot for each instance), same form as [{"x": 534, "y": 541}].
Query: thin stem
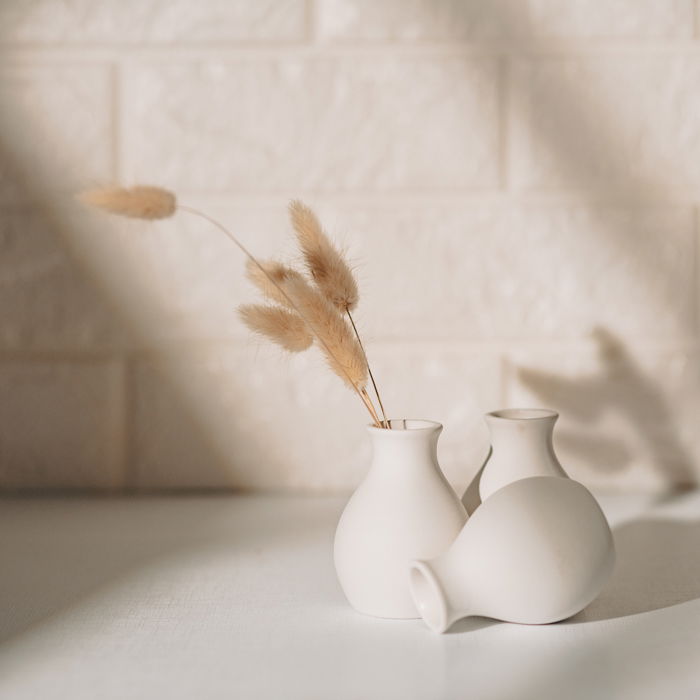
[
  {"x": 250, "y": 256},
  {"x": 385, "y": 422},
  {"x": 370, "y": 407}
]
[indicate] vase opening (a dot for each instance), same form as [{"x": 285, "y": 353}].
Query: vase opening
[
  {"x": 410, "y": 424},
  {"x": 523, "y": 413},
  {"x": 428, "y": 596}
]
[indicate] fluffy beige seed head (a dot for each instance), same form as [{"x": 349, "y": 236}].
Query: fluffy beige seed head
[
  {"x": 277, "y": 272},
  {"x": 340, "y": 347},
  {"x": 139, "y": 202},
  {"x": 326, "y": 265},
  {"x": 283, "y": 327}
]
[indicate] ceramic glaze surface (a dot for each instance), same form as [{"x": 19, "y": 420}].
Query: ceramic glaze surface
[
  {"x": 537, "y": 551},
  {"x": 521, "y": 446},
  {"x": 403, "y": 510}
]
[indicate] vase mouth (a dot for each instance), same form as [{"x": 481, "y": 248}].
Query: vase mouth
[
  {"x": 523, "y": 414},
  {"x": 407, "y": 425},
  {"x": 428, "y": 596}
]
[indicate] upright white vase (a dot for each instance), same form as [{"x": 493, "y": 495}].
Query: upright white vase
[
  {"x": 404, "y": 509},
  {"x": 537, "y": 551},
  {"x": 521, "y": 446}
]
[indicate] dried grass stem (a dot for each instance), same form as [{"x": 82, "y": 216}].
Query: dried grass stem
[
  {"x": 384, "y": 421},
  {"x": 361, "y": 392}
]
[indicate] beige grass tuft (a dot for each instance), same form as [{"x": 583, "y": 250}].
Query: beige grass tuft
[
  {"x": 330, "y": 272},
  {"x": 341, "y": 349},
  {"x": 326, "y": 265},
  {"x": 139, "y": 202},
  {"x": 269, "y": 283},
  {"x": 285, "y": 328},
  {"x": 311, "y": 313}
]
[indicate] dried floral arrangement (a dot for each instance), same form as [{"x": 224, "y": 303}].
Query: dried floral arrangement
[{"x": 300, "y": 308}]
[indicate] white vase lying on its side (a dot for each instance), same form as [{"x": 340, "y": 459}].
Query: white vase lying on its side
[
  {"x": 536, "y": 551},
  {"x": 404, "y": 509},
  {"x": 521, "y": 446}
]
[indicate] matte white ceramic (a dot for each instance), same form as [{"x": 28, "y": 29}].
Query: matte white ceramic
[
  {"x": 537, "y": 551},
  {"x": 521, "y": 446},
  {"x": 404, "y": 509}
]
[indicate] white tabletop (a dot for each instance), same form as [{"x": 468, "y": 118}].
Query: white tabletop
[{"x": 235, "y": 597}]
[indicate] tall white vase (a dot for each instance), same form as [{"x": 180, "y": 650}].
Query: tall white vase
[
  {"x": 404, "y": 509},
  {"x": 537, "y": 551},
  {"x": 521, "y": 446}
]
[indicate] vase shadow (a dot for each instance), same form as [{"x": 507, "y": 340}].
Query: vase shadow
[
  {"x": 471, "y": 624},
  {"x": 658, "y": 565},
  {"x": 471, "y": 498}
]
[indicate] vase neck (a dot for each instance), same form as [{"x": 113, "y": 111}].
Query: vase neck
[
  {"x": 409, "y": 445},
  {"x": 440, "y": 594},
  {"x": 523, "y": 432}
]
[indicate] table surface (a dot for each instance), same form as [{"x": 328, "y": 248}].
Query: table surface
[{"x": 235, "y": 597}]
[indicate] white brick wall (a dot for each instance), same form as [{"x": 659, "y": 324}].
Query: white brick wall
[
  {"x": 516, "y": 180},
  {"x": 301, "y": 121}
]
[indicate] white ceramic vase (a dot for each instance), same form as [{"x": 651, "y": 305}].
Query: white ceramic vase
[
  {"x": 537, "y": 551},
  {"x": 404, "y": 509},
  {"x": 521, "y": 446}
]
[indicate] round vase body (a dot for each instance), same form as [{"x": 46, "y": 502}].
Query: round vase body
[
  {"x": 521, "y": 446},
  {"x": 404, "y": 509},
  {"x": 537, "y": 551}
]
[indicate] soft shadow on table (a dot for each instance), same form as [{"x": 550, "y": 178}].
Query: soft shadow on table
[
  {"x": 471, "y": 624},
  {"x": 61, "y": 554},
  {"x": 658, "y": 565}
]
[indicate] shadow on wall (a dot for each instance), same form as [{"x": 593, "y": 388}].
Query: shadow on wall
[
  {"x": 65, "y": 274},
  {"x": 620, "y": 386},
  {"x": 575, "y": 130},
  {"x": 577, "y": 137},
  {"x": 581, "y": 137}
]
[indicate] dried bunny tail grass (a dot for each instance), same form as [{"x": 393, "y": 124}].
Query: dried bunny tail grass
[
  {"x": 285, "y": 328},
  {"x": 330, "y": 272},
  {"x": 147, "y": 202},
  {"x": 340, "y": 347},
  {"x": 139, "y": 202},
  {"x": 337, "y": 366},
  {"x": 326, "y": 265},
  {"x": 268, "y": 275}
]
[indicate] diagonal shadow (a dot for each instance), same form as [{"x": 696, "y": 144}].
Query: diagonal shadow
[
  {"x": 61, "y": 553},
  {"x": 56, "y": 556},
  {"x": 567, "y": 150},
  {"x": 105, "y": 273},
  {"x": 575, "y": 128}
]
